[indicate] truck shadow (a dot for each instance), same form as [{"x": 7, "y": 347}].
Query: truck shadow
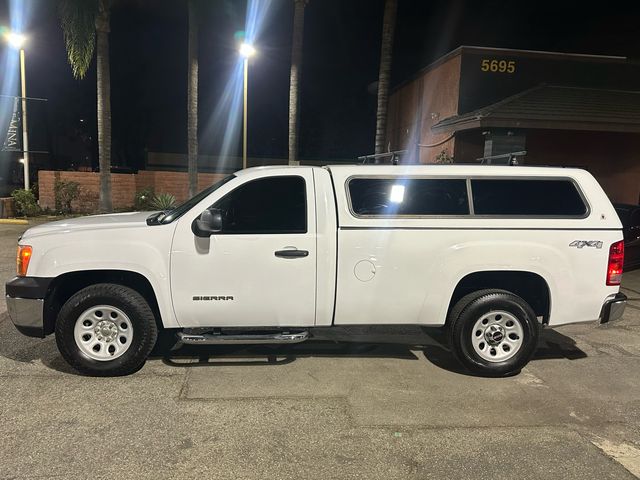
[
  {"x": 552, "y": 345},
  {"x": 364, "y": 342},
  {"x": 402, "y": 342},
  {"x": 189, "y": 356},
  {"x": 379, "y": 342},
  {"x": 15, "y": 346}
]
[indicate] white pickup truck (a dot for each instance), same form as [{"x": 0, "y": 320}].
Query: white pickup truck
[{"x": 272, "y": 254}]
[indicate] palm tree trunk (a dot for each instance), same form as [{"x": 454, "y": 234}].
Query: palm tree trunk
[
  {"x": 104, "y": 105},
  {"x": 192, "y": 101},
  {"x": 296, "y": 64},
  {"x": 388, "y": 27}
]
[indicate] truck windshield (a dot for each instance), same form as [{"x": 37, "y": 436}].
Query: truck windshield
[{"x": 170, "y": 215}]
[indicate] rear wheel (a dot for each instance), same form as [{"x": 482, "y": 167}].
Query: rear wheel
[
  {"x": 493, "y": 332},
  {"x": 106, "y": 330}
]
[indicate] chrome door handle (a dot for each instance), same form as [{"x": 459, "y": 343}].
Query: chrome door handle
[{"x": 291, "y": 253}]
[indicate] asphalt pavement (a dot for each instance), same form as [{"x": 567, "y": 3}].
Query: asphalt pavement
[{"x": 393, "y": 405}]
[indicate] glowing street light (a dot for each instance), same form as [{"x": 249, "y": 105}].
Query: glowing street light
[
  {"x": 14, "y": 39},
  {"x": 17, "y": 41},
  {"x": 246, "y": 51}
]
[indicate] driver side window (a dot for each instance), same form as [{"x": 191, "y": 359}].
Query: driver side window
[{"x": 271, "y": 205}]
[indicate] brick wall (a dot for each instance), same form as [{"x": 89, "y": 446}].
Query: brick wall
[
  {"x": 123, "y": 186},
  {"x": 417, "y": 105},
  {"x": 612, "y": 157}
]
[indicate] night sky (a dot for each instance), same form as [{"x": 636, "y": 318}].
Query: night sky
[{"x": 340, "y": 64}]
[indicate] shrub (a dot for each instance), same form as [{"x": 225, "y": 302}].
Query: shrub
[
  {"x": 163, "y": 201},
  {"x": 144, "y": 199},
  {"x": 87, "y": 199},
  {"x": 65, "y": 193},
  {"x": 444, "y": 157},
  {"x": 26, "y": 204},
  {"x": 35, "y": 188}
]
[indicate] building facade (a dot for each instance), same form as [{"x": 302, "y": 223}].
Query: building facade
[{"x": 488, "y": 105}]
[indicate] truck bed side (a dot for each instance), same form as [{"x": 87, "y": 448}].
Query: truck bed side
[{"x": 406, "y": 270}]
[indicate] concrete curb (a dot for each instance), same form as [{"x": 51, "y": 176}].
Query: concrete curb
[{"x": 13, "y": 221}]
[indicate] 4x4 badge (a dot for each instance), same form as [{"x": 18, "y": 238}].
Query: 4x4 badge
[{"x": 586, "y": 243}]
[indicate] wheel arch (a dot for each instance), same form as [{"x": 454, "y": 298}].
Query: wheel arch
[
  {"x": 67, "y": 284},
  {"x": 530, "y": 286}
]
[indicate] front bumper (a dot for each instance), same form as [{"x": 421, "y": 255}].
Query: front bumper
[
  {"x": 613, "y": 308},
  {"x": 25, "y": 304},
  {"x": 27, "y": 315}
]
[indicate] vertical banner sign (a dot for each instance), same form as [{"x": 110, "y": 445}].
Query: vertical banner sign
[{"x": 12, "y": 139}]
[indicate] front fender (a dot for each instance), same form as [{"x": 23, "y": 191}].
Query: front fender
[{"x": 134, "y": 250}]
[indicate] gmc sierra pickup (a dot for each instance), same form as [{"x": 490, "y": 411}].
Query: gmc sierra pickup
[{"x": 270, "y": 254}]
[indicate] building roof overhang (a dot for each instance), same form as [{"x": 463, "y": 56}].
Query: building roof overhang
[{"x": 555, "y": 108}]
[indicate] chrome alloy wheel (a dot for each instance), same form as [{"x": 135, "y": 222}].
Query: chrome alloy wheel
[
  {"x": 497, "y": 336},
  {"x": 103, "y": 333}
]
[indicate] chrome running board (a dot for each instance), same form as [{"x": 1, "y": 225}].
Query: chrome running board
[{"x": 241, "y": 339}]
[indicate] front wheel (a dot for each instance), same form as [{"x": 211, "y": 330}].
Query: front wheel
[
  {"x": 106, "y": 330},
  {"x": 493, "y": 332}
]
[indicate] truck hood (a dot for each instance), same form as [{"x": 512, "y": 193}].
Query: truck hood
[{"x": 94, "y": 222}]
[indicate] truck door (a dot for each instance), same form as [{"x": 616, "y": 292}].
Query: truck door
[{"x": 260, "y": 270}]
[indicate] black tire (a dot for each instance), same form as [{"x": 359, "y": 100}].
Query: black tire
[
  {"x": 469, "y": 309},
  {"x": 145, "y": 330}
]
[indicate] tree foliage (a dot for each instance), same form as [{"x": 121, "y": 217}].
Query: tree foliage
[{"x": 78, "y": 21}]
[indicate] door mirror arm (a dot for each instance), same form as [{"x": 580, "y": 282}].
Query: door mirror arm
[{"x": 208, "y": 223}]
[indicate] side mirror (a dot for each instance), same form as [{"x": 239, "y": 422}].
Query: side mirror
[{"x": 208, "y": 223}]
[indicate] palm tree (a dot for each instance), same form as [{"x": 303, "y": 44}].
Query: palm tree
[
  {"x": 296, "y": 64},
  {"x": 192, "y": 100},
  {"x": 83, "y": 22},
  {"x": 388, "y": 27}
]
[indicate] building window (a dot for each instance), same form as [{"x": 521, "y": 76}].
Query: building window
[
  {"x": 530, "y": 197},
  {"x": 396, "y": 197},
  {"x": 272, "y": 205}
]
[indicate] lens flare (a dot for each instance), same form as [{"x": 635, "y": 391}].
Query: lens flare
[
  {"x": 221, "y": 133},
  {"x": 16, "y": 40},
  {"x": 397, "y": 194},
  {"x": 247, "y": 50}
]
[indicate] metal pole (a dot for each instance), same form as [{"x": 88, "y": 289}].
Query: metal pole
[
  {"x": 244, "y": 116},
  {"x": 25, "y": 133}
]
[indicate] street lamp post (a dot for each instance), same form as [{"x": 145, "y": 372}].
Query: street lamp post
[
  {"x": 17, "y": 41},
  {"x": 25, "y": 133},
  {"x": 246, "y": 50}
]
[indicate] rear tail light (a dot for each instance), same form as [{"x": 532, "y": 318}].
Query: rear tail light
[
  {"x": 22, "y": 259},
  {"x": 616, "y": 260}
]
